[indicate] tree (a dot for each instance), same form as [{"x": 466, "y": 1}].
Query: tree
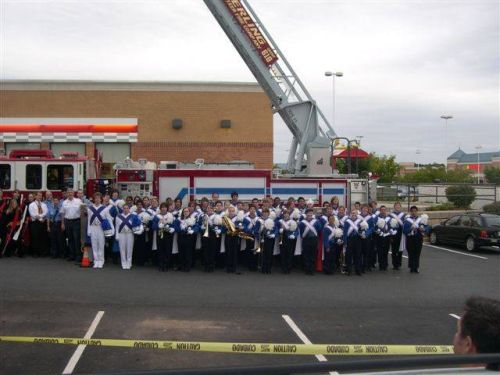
[
  {"x": 492, "y": 175},
  {"x": 385, "y": 167},
  {"x": 461, "y": 195}
]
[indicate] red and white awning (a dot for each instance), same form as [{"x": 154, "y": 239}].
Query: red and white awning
[{"x": 34, "y": 130}]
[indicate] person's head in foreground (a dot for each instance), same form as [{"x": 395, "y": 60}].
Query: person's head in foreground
[{"x": 478, "y": 330}]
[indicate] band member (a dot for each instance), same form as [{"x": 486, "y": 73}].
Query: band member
[
  {"x": 382, "y": 234},
  {"x": 289, "y": 232},
  {"x": 71, "y": 224},
  {"x": 309, "y": 231},
  {"x": 268, "y": 235},
  {"x": 99, "y": 226},
  {"x": 332, "y": 244},
  {"x": 163, "y": 226},
  {"x": 374, "y": 211},
  {"x": 10, "y": 220},
  {"x": 187, "y": 228},
  {"x": 234, "y": 199},
  {"x": 205, "y": 227},
  {"x": 141, "y": 240},
  {"x": 415, "y": 228},
  {"x": 252, "y": 226},
  {"x": 232, "y": 242},
  {"x": 397, "y": 242},
  {"x": 38, "y": 226},
  {"x": 177, "y": 208},
  {"x": 125, "y": 236},
  {"x": 366, "y": 229},
  {"x": 352, "y": 239},
  {"x": 335, "y": 204}
]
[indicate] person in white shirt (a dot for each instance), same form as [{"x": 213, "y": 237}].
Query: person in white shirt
[
  {"x": 38, "y": 226},
  {"x": 97, "y": 214},
  {"x": 71, "y": 224}
]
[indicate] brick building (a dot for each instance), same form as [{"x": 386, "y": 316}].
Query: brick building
[
  {"x": 476, "y": 162},
  {"x": 180, "y": 121}
]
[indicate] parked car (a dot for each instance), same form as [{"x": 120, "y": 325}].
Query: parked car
[{"x": 469, "y": 230}]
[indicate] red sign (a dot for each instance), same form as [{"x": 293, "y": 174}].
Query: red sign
[
  {"x": 251, "y": 30},
  {"x": 473, "y": 167}
]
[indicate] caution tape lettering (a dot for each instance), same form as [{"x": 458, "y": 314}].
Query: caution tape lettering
[{"x": 257, "y": 348}]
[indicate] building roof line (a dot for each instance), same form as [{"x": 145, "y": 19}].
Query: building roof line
[{"x": 127, "y": 85}]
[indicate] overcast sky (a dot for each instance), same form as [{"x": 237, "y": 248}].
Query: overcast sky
[{"x": 405, "y": 63}]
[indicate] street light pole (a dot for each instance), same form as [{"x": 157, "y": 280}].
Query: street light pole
[
  {"x": 446, "y": 118},
  {"x": 333, "y": 75},
  {"x": 478, "y": 147},
  {"x": 418, "y": 152}
]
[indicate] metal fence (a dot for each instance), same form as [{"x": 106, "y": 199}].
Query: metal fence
[{"x": 433, "y": 194}]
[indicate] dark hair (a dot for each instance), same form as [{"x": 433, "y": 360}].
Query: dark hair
[
  {"x": 481, "y": 321},
  {"x": 301, "y": 199},
  {"x": 309, "y": 210},
  {"x": 234, "y": 194},
  {"x": 382, "y": 207},
  {"x": 163, "y": 204},
  {"x": 413, "y": 208},
  {"x": 357, "y": 203},
  {"x": 97, "y": 194}
]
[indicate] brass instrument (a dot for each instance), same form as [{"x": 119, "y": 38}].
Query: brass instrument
[
  {"x": 233, "y": 231},
  {"x": 205, "y": 234}
]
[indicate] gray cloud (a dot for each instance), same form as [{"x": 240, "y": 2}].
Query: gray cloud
[{"x": 405, "y": 62}]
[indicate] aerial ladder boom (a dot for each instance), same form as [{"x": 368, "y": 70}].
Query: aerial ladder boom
[{"x": 310, "y": 129}]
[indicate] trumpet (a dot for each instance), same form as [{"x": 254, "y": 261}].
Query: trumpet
[
  {"x": 233, "y": 231},
  {"x": 205, "y": 234}
]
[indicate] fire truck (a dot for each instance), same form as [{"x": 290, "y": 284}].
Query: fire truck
[
  {"x": 193, "y": 181},
  {"x": 30, "y": 171}
]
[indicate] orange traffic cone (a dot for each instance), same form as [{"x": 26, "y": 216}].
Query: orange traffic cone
[{"x": 85, "y": 258}]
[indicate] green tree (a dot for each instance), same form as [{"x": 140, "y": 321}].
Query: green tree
[
  {"x": 383, "y": 166},
  {"x": 461, "y": 195},
  {"x": 492, "y": 175}
]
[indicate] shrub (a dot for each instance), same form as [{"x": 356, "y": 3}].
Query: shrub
[
  {"x": 492, "y": 208},
  {"x": 442, "y": 207},
  {"x": 461, "y": 195}
]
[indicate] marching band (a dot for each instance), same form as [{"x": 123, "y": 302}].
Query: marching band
[{"x": 228, "y": 235}]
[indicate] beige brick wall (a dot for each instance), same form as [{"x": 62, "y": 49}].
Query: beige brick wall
[{"x": 250, "y": 137}]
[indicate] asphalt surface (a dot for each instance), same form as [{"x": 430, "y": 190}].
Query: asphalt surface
[{"x": 52, "y": 297}]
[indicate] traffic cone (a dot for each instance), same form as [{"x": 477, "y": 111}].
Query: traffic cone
[{"x": 85, "y": 258}]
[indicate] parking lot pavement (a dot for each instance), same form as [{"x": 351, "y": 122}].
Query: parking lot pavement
[{"x": 44, "y": 297}]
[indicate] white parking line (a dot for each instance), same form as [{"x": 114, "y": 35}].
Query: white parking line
[
  {"x": 456, "y": 252},
  {"x": 454, "y": 316},
  {"x": 70, "y": 367},
  {"x": 304, "y": 339}
]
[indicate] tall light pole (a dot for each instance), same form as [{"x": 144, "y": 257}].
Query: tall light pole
[
  {"x": 478, "y": 147},
  {"x": 418, "y": 152},
  {"x": 333, "y": 75},
  {"x": 446, "y": 118}
]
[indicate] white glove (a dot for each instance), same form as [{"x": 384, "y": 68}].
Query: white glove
[
  {"x": 190, "y": 231},
  {"x": 218, "y": 231},
  {"x": 202, "y": 227},
  {"x": 161, "y": 225},
  {"x": 240, "y": 225},
  {"x": 340, "y": 242},
  {"x": 292, "y": 237},
  {"x": 272, "y": 235},
  {"x": 281, "y": 230},
  {"x": 363, "y": 235},
  {"x": 171, "y": 230},
  {"x": 183, "y": 226}
]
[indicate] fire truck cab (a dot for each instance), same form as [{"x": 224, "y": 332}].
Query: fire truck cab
[{"x": 38, "y": 170}]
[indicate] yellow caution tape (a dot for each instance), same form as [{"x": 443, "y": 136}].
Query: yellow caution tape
[{"x": 250, "y": 348}]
